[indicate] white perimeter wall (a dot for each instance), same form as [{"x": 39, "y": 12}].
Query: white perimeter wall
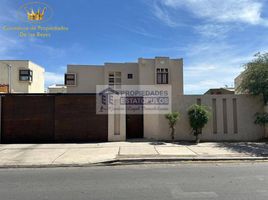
[{"x": 156, "y": 126}]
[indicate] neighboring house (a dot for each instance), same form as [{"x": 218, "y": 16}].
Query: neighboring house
[
  {"x": 218, "y": 91},
  {"x": 21, "y": 76},
  {"x": 57, "y": 88},
  {"x": 238, "y": 81},
  {"x": 157, "y": 71}
]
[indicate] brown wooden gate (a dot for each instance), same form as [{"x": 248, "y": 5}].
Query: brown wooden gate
[
  {"x": 76, "y": 120},
  {"x": 27, "y": 119},
  {"x": 52, "y": 118}
]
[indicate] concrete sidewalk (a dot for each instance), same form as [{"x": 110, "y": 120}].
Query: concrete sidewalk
[{"x": 53, "y": 155}]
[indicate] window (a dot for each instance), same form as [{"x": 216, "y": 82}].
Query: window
[
  {"x": 70, "y": 79},
  {"x": 114, "y": 78},
  {"x": 130, "y": 76},
  {"x": 26, "y": 75},
  {"x": 162, "y": 76}
]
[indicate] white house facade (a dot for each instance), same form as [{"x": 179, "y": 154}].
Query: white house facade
[{"x": 21, "y": 76}]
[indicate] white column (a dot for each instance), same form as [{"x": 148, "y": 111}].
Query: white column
[{"x": 115, "y": 135}]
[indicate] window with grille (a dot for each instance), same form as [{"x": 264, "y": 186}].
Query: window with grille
[
  {"x": 162, "y": 76},
  {"x": 26, "y": 75},
  {"x": 70, "y": 79},
  {"x": 114, "y": 78}
]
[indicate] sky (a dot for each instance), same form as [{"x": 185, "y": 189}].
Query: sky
[{"x": 215, "y": 38}]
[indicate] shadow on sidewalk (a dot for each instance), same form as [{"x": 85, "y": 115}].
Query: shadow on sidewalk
[
  {"x": 259, "y": 149},
  {"x": 254, "y": 149}
]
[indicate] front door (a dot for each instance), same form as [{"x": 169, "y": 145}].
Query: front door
[
  {"x": 134, "y": 121},
  {"x": 134, "y": 126}
]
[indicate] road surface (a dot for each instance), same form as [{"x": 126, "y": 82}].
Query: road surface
[{"x": 165, "y": 181}]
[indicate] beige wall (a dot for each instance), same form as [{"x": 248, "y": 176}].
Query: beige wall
[
  {"x": 156, "y": 126},
  {"x": 17, "y": 86},
  {"x": 144, "y": 73},
  {"x": 117, "y": 123},
  {"x": 56, "y": 89},
  {"x": 238, "y": 81},
  {"x": 147, "y": 72},
  {"x": 125, "y": 69},
  {"x": 0, "y": 119},
  {"x": 87, "y": 77}
]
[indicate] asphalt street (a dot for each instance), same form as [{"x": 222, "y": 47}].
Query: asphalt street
[{"x": 154, "y": 181}]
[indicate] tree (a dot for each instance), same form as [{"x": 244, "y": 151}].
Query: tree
[
  {"x": 255, "y": 81},
  {"x": 255, "y": 77},
  {"x": 172, "y": 120},
  {"x": 198, "y": 118}
]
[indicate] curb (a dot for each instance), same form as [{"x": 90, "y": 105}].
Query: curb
[
  {"x": 176, "y": 159},
  {"x": 102, "y": 163},
  {"x": 144, "y": 160}
]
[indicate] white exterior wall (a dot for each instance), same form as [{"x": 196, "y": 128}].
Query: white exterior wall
[
  {"x": 17, "y": 86},
  {"x": 38, "y": 83}
]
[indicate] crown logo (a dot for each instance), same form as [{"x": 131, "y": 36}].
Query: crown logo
[{"x": 36, "y": 16}]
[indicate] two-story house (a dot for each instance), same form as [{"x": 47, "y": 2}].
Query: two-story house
[
  {"x": 21, "y": 76},
  {"x": 159, "y": 72}
]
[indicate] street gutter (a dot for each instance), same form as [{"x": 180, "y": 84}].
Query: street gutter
[{"x": 145, "y": 160}]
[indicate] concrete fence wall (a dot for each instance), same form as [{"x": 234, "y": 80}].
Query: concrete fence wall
[{"x": 232, "y": 119}]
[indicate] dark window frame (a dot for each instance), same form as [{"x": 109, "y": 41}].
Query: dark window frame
[
  {"x": 162, "y": 76},
  {"x": 130, "y": 76},
  {"x": 26, "y": 75},
  {"x": 115, "y": 78},
  {"x": 67, "y": 79}
]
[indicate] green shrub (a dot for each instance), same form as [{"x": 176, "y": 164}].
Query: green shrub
[
  {"x": 172, "y": 120},
  {"x": 261, "y": 118},
  {"x": 198, "y": 118}
]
